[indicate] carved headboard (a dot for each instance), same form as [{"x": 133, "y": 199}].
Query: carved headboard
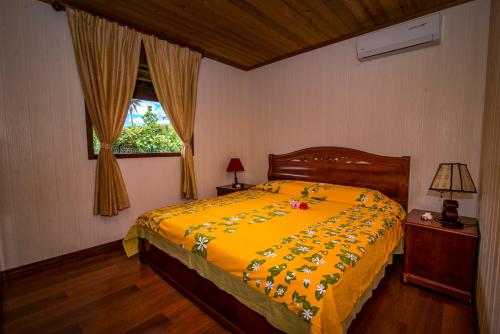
[{"x": 345, "y": 166}]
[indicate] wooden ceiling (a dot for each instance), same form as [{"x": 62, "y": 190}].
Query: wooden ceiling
[{"x": 251, "y": 33}]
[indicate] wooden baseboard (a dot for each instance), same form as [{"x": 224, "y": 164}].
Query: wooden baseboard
[{"x": 29, "y": 269}]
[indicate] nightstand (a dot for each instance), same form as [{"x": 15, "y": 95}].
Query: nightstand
[
  {"x": 224, "y": 190},
  {"x": 441, "y": 258}
]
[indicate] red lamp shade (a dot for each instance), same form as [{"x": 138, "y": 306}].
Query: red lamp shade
[{"x": 235, "y": 165}]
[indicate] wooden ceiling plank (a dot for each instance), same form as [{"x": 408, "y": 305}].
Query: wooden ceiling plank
[
  {"x": 376, "y": 11},
  {"x": 318, "y": 14},
  {"x": 261, "y": 27},
  {"x": 331, "y": 17},
  {"x": 183, "y": 30},
  {"x": 95, "y": 9},
  {"x": 426, "y": 4},
  {"x": 227, "y": 17},
  {"x": 392, "y": 9},
  {"x": 264, "y": 32},
  {"x": 406, "y": 6},
  {"x": 366, "y": 30},
  {"x": 247, "y": 46},
  {"x": 286, "y": 15},
  {"x": 200, "y": 35},
  {"x": 343, "y": 15},
  {"x": 218, "y": 25},
  {"x": 219, "y": 55},
  {"x": 419, "y": 5},
  {"x": 269, "y": 21},
  {"x": 360, "y": 13}
]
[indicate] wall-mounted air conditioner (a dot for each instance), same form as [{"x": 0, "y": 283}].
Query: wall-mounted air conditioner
[{"x": 420, "y": 32}]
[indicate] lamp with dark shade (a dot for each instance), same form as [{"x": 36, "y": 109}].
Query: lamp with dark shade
[
  {"x": 235, "y": 165},
  {"x": 452, "y": 177}
]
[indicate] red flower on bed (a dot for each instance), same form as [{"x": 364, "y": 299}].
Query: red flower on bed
[{"x": 303, "y": 206}]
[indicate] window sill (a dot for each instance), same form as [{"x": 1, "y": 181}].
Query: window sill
[{"x": 139, "y": 155}]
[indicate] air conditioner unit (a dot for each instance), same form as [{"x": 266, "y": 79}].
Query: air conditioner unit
[{"x": 401, "y": 37}]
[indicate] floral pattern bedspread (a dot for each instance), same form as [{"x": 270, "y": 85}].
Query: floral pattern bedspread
[{"x": 306, "y": 260}]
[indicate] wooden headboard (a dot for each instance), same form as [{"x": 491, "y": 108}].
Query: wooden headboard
[{"x": 345, "y": 166}]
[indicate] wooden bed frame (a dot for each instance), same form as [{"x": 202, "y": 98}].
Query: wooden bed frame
[{"x": 318, "y": 164}]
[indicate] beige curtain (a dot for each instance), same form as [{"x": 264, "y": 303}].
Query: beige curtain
[
  {"x": 174, "y": 72},
  {"x": 107, "y": 56}
]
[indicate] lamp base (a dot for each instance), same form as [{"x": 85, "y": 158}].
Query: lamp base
[
  {"x": 235, "y": 184},
  {"x": 449, "y": 216},
  {"x": 449, "y": 223}
]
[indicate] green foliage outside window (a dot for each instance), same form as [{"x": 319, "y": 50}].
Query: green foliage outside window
[{"x": 150, "y": 137}]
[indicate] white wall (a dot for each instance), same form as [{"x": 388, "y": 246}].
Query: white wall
[
  {"x": 46, "y": 181},
  {"x": 427, "y": 104}
]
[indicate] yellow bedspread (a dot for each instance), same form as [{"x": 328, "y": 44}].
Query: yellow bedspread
[{"x": 316, "y": 262}]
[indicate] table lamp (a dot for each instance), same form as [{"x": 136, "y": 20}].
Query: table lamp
[
  {"x": 235, "y": 165},
  {"x": 452, "y": 177}
]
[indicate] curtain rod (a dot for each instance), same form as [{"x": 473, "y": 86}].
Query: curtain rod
[{"x": 58, "y": 7}]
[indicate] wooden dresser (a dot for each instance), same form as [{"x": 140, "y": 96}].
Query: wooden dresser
[{"x": 441, "y": 258}]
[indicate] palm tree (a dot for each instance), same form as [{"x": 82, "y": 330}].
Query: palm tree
[{"x": 133, "y": 108}]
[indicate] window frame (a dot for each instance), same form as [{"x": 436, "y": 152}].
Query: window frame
[
  {"x": 92, "y": 156},
  {"x": 143, "y": 90}
]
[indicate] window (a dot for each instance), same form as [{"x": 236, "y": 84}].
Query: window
[{"x": 147, "y": 131}]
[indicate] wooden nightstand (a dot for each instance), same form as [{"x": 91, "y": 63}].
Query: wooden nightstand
[
  {"x": 224, "y": 190},
  {"x": 441, "y": 258}
]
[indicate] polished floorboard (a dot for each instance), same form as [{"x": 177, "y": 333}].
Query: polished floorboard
[{"x": 110, "y": 293}]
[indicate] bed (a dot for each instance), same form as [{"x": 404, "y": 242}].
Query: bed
[{"x": 256, "y": 264}]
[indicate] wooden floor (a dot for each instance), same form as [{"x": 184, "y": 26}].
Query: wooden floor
[{"x": 114, "y": 294}]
